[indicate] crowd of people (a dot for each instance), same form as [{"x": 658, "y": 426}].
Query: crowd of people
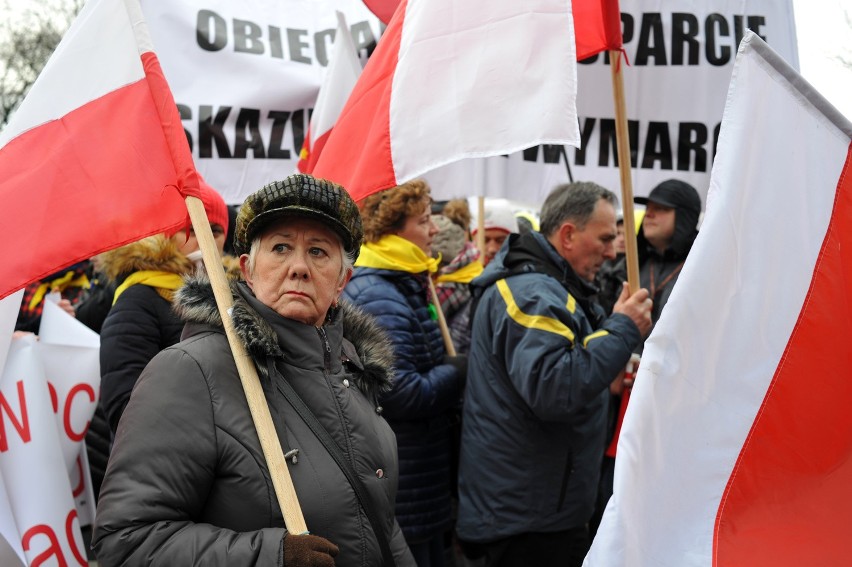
[{"x": 489, "y": 442}]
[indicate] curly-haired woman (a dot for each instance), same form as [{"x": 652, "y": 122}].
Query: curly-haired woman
[{"x": 391, "y": 282}]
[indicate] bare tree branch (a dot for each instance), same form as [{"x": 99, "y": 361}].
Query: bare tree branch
[{"x": 28, "y": 36}]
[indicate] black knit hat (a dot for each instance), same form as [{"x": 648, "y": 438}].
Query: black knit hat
[
  {"x": 304, "y": 196},
  {"x": 675, "y": 194}
]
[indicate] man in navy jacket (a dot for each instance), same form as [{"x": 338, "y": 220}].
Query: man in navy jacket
[{"x": 541, "y": 361}]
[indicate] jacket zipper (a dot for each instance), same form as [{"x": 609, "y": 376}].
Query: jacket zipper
[{"x": 327, "y": 375}]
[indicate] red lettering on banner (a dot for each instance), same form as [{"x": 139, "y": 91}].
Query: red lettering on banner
[
  {"x": 22, "y": 426},
  {"x": 66, "y": 414},
  {"x": 54, "y": 398},
  {"x": 53, "y": 550},
  {"x": 82, "y": 484},
  {"x": 72, "y": 543}
]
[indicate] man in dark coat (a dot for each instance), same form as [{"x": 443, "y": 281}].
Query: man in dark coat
[
  {"x": 541, "y": 361},
  {"x": 665, "y": 237}
]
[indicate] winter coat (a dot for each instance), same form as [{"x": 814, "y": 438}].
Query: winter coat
[
  {"x": 140, "y": 324},
  {"x": 541, "y": 361},
  {"x": 187, "y": 482},
  {"x": 425, "y": 394}
]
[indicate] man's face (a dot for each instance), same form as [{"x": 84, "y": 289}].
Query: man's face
[
  {"x": 658, "y": 225},
  {"x": 587, "y": 248},
  {"x": 494, "y": 238}
]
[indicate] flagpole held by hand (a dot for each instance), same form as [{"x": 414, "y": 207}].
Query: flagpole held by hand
[
  {"x": 269, "y": 442},
  {"x": 623, "y": 144}
]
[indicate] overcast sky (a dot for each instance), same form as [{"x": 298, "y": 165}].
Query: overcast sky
[{"x": 824, "y": 32}]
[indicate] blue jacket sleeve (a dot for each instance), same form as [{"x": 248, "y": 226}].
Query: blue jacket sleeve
[
  {"x": 556, "y": 362},
  {"x": 423, "y": 387}
]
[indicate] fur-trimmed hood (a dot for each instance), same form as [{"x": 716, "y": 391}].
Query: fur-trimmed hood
[
  {"x": 195, "y": 304},
  {"x": 153, "y": 253}
]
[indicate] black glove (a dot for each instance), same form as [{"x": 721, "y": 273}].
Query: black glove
[
  {"x": 308, "y": 551},
  {"x": 459, "y": 362}
]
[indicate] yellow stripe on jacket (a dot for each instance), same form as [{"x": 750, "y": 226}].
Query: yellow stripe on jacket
[{"x": 540, "y": 322}]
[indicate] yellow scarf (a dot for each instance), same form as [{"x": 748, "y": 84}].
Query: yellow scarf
[
  {"x": 164, "y": 282},
  {"x": 393, "y": 252},
  {"x": 60, "y": 285},
  {"x": 463, "y": 274}
]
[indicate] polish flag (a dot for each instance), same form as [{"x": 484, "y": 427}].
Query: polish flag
[
  {"x": 93, "y": 156},
  {"x": 452, "y": 80},
  {"x": 735, "y": 449},
  {"x": 343, "y": 71},
  {"x": 597, "y": 23}
]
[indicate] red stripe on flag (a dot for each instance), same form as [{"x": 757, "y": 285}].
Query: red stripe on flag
[
  {"x": 597, "y": 26},
  {"x": 97, "y": 178},
  {"x": 366, "y": 118},
  {"x": 314, "y": 152},
  {"x": 788, "y": 499},
  {"x": 171, "y": 127}
]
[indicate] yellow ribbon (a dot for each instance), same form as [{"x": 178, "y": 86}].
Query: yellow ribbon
[
  {"x": 463, "y": 274},
  {"x": 393, "y": 252},
  {"x": 60, "y": 285},
  {"x": 165, "y": 283}
]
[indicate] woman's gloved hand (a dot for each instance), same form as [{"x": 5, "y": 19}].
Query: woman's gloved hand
[{"x": 308, "y": 551}]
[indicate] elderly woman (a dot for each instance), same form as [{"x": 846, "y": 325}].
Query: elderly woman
[
  {"x": 391, "y": 282},
  {"x": 187, "y": 482}
]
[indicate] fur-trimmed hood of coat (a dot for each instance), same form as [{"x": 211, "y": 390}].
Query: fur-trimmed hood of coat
[
  {"x": 195, "y": 304},
  {"x": 153, "y": 253}
]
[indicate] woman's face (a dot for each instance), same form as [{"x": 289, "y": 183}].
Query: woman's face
[
  {"x": 420, "y": 229},
  {"x": 297, "y": 269}
]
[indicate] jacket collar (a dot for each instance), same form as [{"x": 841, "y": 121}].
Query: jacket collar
[{"x": 358, "y": 337}]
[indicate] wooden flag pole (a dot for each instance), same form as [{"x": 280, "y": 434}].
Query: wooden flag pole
[
  {"x": 442, "y": 322},
  {"x": 269, "y": 442},
  {"x": 623, "y": 144},
  {"x": 480, "y": 227}
]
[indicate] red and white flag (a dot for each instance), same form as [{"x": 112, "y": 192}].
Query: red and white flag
[
  {"x": 343, "y": 71},
  {"x": 92, "y": 157},
  {"x": 736, "y": 446},
  {"x": 452, "y": 80}
]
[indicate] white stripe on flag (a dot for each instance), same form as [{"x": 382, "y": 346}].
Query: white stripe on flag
[
  {"x": 457, "y": 70},
  {"x": 108, "y": 69}
]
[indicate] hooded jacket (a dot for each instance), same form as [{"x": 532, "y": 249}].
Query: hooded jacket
[
  {"x": 141, "y": 322},
  {"x": 658, "y": 272},
  {"x": 541, "y": 360},
  {"x": 187, "y": 482}
]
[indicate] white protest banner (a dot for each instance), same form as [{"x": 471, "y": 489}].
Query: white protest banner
[
  {"x": 31, "y": 464},
  {"x": 48, "y": 393},
  {"x": 70, "y": 353},
  {"x": 246, "y": 74}
]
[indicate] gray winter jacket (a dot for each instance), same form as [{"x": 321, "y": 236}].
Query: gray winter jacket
[{"x": 187, "y": 483}]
